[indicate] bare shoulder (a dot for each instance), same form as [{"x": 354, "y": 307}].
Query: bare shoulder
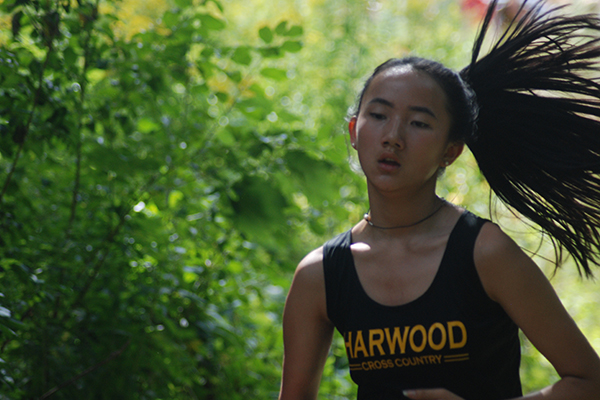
[
  {"x": 492, "y": 242},
  {"x": 307, "y": 291},
  {"x": 310, "y": 268},
  {"x": 312, "y": 260},
  {"x": 501, "y": 264}
]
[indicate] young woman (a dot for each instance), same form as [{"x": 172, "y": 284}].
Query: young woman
[{"x": 428, "y": 297}]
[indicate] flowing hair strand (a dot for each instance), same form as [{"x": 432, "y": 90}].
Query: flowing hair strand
[{"x": 537, "y": 138}]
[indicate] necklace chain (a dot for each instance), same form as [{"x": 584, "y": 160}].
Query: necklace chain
[{"x": 367, "y": 218}]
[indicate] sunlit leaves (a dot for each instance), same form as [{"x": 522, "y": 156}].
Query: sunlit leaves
[
  {"x": 146, "y": 125},
  {"x": 142, "y": 200},
  {"x": 291, "y": 46},
  {"x": 183, "y": 3},
  {"x": 266, "y": 34},
  {"x": 242, "y": 55},
  {"x": 211, "y": 160},
  {"x": 278, "y": 39},
  {"x": 280, "y": 29},
  {"x": 211, "y": 23},
  {"x": 274, "y": 73}
]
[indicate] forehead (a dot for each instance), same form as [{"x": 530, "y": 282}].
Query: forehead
[{"x": 404, "y": 85}]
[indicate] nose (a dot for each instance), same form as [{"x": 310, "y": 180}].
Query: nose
[{"x": 394, "y": 134}]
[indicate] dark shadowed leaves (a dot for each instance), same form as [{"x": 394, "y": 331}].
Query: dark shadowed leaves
[{"x": 259, "y": 206}]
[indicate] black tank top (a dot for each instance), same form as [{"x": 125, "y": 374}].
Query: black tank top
[{"x": 453, "y": 336}]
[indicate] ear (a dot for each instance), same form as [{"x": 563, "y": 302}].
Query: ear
[
  {"x": 352, "y": 131},
  {"x": 453, "y": 150}
]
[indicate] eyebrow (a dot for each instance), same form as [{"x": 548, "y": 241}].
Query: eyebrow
[
  {"x": 388, "y": 103},
  {"x": 425, "y": 110},
  {"x": 382, "y": 101}
]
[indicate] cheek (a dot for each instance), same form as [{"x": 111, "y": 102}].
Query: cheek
[
  {"x": 431, "y": 149},
  {"x": 364, "y": 134}
]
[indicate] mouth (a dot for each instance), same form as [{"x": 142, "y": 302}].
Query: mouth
[{"x": 390, "y": 162}]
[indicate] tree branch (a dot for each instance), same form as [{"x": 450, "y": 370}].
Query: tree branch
[
  {"x": 86, "y": 62},
  {"x": 13, "y": 166},
  {"x": 51, "y": 32}
]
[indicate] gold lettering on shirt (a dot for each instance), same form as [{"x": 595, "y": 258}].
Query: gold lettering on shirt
[
  {"x": 463, "y": 330},
  {"x": 423, "y": 334},
  {"x": 360, "y": 345},
  {"x": 348, "y": 342},
  {"x": 396, "y": 338},
  {"x": 432, "y": 329},
  {"x": 376, "y": 343}
]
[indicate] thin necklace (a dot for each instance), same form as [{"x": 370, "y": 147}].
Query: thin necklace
[{"x": 367, "y": 218}]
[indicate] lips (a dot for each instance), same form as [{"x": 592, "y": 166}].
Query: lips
[{"x": 388, "y": 162}]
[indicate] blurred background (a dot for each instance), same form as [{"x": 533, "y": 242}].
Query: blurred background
[{"x": 164, "y": 166}]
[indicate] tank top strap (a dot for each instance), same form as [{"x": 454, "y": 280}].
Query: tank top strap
[
  {"x": 337, "y": 257},
  {"x": 457, "y": 269},
  {"x": 461, "y": 243}
]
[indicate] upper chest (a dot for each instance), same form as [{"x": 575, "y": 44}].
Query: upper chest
[{"x": 397, "y": 273}]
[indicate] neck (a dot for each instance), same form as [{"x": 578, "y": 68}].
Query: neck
[
  {"x": 369, "y": 220},
  {"x": 408, "y": 220},
  {"x": 403, "y": 211}
]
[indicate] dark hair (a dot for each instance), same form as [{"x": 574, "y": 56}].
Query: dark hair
[
  {"x": 538, "y": 137},
  {"x": 461, "y": 102},
  {"x": 535, "y": 131}
]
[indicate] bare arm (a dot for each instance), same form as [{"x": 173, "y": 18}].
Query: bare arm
[
  {"x": 307, "y": 332},
  {"x": 513, "y": 280}
]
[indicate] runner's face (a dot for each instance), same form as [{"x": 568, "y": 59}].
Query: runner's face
[{"x": 401, "y": 130}]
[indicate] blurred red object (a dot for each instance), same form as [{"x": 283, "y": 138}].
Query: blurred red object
[
  {"x": 476, "y": 8},
  {"x": 506, "y": 10}
]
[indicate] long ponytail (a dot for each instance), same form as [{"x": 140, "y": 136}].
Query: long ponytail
[{"x": 537, "y": 136}]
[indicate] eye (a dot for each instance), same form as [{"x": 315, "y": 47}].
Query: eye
[
  {"x": 420, "y": 124},
  {"x": 377, "y": 116}
]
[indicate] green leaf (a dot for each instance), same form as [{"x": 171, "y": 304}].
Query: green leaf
[
  {"x": 235, "y": 76},
  {"x": 170, "y": 19},
  {"x": 207, "y": 69},
  {"x": 207, "y": 52},
  {"x": 183, "y": 3},
  {"x": 146, "y": 125},
  {"x": 223, "y": 97},
  {"x": 225, "y": 137},
  {"x": 242, "y": 55},
  {"x": 271, "y": 52},
  {"x": 266, "y": 34},
  {"x": 218, "y": 4},
  {"x": 295, "y": 30},
  {"x": 317, "y": 227},
  {"x": 210, "y": 22},
  {"x": 292, "y": 46},
  {"x": 281, "y": 28},
  {"x": 174, "y": 197},
  {"x": 70, "y": 56},
  {"x": 255, "y": 108},
  {"x": 274, "y": 73},
  {"x": 287, "y": 116}
]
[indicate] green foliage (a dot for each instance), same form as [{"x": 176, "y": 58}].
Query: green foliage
[
  {"x": 136, "y": 208},
  {"x": 158, "y": 188}
]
